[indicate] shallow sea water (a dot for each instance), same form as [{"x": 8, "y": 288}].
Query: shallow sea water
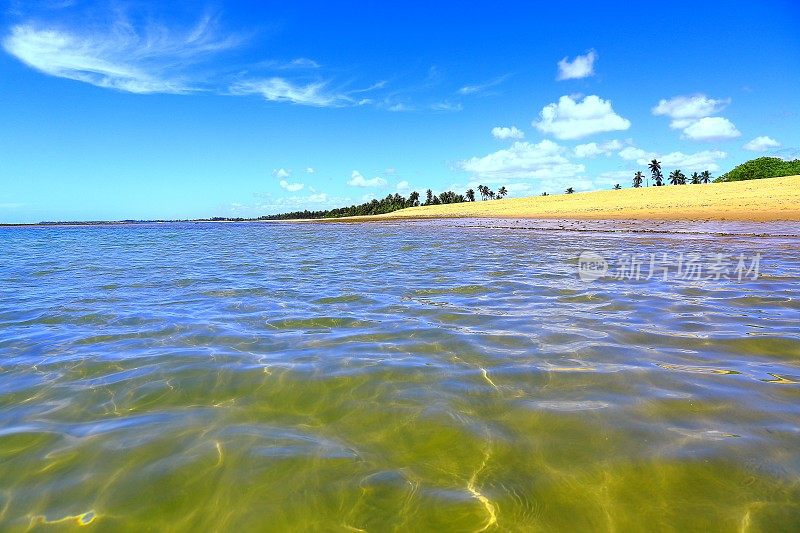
[{"x": 444, "y": 376}]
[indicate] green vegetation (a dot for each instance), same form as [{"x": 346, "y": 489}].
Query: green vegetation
[
  {"x": 392, "y": 202},
  {"x": 763, "y": 167},
  {"x": 676, "y": 177},
  {"x": 655, "y": 170}
]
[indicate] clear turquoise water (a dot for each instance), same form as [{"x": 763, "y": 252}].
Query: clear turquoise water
[{"x": 421, "y": 376}]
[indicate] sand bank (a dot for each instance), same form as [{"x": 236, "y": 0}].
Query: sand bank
[{"x": 773, "y": 199}]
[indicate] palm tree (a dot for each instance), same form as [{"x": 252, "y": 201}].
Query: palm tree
[
  {"x": 655, "y": 170},
  {"x": 544, "y": 193},
  {"x": 484, "y": 191},
  {"x": 638, "y": 178},
  {"x": 705, "y": 176},
  {"x": 491, "y": 194},
  {"x": 675, "y": 177},
  {"x": 570, "y": 190},
  {"x": 501, "y": 192},
  {"x": 617, "y": 187},
  {"x": 470, "y": 195},
  {"x": 695, "y": 178}
]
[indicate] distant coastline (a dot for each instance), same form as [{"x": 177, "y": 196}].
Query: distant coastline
[{"x": 763, "y": 200}]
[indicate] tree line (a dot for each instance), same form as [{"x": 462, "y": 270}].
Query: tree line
[
  {"x": 392, "y": 202},
  {"x": 676, "y": 177}
]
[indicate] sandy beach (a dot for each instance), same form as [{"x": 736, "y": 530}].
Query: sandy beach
[{"x": 773, "y": 199}]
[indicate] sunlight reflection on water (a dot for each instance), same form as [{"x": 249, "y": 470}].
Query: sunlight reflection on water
[{"x": 443, "y": 376}]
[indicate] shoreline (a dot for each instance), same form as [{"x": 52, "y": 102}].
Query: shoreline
[
  {"x": 753, "y": 201},
  {"x": 762, "y": 200}
]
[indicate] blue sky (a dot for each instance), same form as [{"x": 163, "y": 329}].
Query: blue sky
[{"x": 129, "y": 109}]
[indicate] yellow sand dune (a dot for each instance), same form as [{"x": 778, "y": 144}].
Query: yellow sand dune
[{"x": 754, "y": 200}]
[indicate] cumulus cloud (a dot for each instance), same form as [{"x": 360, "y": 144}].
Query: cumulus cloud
[
  {"x": 593, "y": 149},
  {"x": 310, "y": 170},
  {"x": 703, "y": 160},
  {"x": 291, "y": 187},
  {"x": 685, "y": 110},
  {"x": 513, "y": 132},
  {"x": 357, "y": 180},
  {"x": 281, "y": 173},
  {"x": 761, "y": 144},
  {"x": 570, "y": 119},
  {"x": 267, "y": 203},
  {"x": 580, "y": 67},
  {"x": 692, "y": 114},
  {"x": 152, "y": 60},
  {"x": 524, "y": 160},
  {"x": 711, "y": 129},
  {"x": 631, "y": 153},
  {"x": 403, "y": 186}
]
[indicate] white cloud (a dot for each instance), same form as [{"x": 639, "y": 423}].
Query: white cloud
[
  {"x": 314, "y": 94},
  {"x": 507, "y": 133},
  {"x": 524, "y": 160},
  {"x": 580, "y": 67},
  {"x": 152, "y": 61},
  {"x": 704, "y": 160},
  {"x": 291, "y": 187},
  {"x": 711, "y": 129},
  {"x": 403, "y": 186},
  {"x": 478, "y": 88},
  {"x": 267, "y": 204},
  {"x": 761, "y": 144},
  {"x": 322, "y": 197},
  {"x": 446, "y": 106},
  {"x": 281, "y": 173},
  {"x": 357, "y": 180},
  {"x": 303, "y": 62},
  {"x": 631, "y": 153},
  {"x": 593, "y": 149},
  {"x": 692, "y": 114},
  {"x": 569, "y": 119},
  {"x": 310, "y": 170},
  {"x": 400, "y": 107},
  {"x": 685, "y": 110}
]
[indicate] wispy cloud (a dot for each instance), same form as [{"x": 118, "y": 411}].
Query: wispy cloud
[
  {"x": 283, "y": 90},
  {"x": 446, "y": 106},
  {"x": 150, "y": 61},
  {"x": 481, "y": 87}
]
